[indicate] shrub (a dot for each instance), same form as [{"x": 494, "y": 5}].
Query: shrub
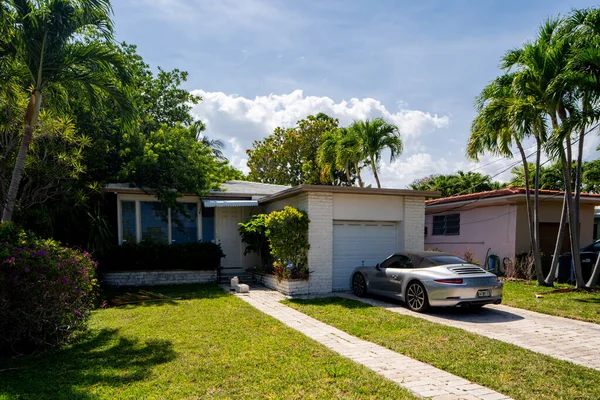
[
  {"x": 46, "y": 291},
  {"x": 287, "y": 231},
  {"x": 469, "y": 257},
  {"x": 254, "y": 234},
  {"x": 523, "y": 267},
  {"x": 203, "y": 256}
]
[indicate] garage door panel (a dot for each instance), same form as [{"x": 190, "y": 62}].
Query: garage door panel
[{"x": 358, "y": 242}]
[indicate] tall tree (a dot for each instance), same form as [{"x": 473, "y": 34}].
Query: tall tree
[
  {"x": 290, "y": 156},
  {"x": 51, "y": 41},
  {"x": 541, "y": 70},
  {"x": 504, "y": 119},
  {"x": 376, "y": 136}
]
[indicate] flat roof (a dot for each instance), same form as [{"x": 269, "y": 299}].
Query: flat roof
[
  {"x": 228, "y": 189},
  {"x": 348, "y": 190}
]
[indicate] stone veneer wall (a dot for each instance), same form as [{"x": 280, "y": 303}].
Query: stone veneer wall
[
  {"x": 155, "y": 278},
  {"x": 294, "y": 287}
]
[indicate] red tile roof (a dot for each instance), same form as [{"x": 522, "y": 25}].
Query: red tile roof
[{"x": 500, "y": 193}]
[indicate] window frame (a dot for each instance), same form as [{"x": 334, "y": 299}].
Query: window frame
[
  {"x": 444, "y": 219},
  {"x": 138, "y": 198},
  {"x": 398, "y": 257}
]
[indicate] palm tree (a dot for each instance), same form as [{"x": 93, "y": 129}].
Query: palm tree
[
  {"x": 544, "y": 76},
  {"x": 62, "y": 45},
  {"x": 376, "y": 136},
  {"x": 582, "y": 80},
  {"x": 349, "y": 152},
  {"x": 505, "y": 119}
]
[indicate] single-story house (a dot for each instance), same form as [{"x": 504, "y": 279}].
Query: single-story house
[
  {"x": 349, "y": 226},
  {"x": 495, "y": 222}
]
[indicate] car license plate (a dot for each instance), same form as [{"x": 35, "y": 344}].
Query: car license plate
[{"x": 484, "y": 293}]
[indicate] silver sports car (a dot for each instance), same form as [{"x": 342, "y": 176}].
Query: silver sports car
[{"x": 428, "y": 278}]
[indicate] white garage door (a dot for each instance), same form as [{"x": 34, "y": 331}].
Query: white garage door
[{"x": 355, "y": 242}]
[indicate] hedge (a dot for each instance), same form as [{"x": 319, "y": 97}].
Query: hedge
[{"x": 198, "y": 256}]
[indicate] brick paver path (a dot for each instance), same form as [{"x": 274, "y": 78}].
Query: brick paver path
[
  {"x": 562, "y": 338},
  {"x": 422, "y": 379}
]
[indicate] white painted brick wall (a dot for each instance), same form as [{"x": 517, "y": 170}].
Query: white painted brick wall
[
  {"x": 320, "y": 236},
  {"x": 414, "y": 223},
  {"x": 295, "y": 287},
  {"x": 155, "y": 278}
]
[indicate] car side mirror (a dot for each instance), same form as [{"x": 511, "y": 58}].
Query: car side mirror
[{"x": 378, "y": 266}]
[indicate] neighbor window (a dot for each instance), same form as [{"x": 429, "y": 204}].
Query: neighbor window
[
  {"x": 446, "y": 224},
  {"x": 158, "y": 223}
]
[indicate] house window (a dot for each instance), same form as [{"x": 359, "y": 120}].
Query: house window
[
  {"x": 446, "y": 224},
  {"x": 128, "y": 221},
  {"x": 184, "y": 229},
  {"x": 208, "y": 224},
  {"x": 155, "y": 222}
]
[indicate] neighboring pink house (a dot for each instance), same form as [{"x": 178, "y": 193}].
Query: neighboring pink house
[{"x": 495, "y": 222}]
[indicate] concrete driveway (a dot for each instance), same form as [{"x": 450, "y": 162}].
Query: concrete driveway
[{"x": 562, "y": 338}]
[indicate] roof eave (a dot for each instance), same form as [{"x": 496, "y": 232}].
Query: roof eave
[{"x": 346, "y": 190}]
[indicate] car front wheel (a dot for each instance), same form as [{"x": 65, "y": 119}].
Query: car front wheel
[
  {"x": 416, "y": 297},
  {"x": 359, "y": 285}
]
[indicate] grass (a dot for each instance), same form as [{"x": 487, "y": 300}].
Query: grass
[
  {"x": 516, "y": 372},
  {"x": 207, "y": 345},
  {"x": 584, "y": 306}
]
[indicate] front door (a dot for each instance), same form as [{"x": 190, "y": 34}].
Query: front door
[{"x": 227, "y": 235}]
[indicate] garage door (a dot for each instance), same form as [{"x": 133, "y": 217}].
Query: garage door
[{"x": 355, "y": 242}]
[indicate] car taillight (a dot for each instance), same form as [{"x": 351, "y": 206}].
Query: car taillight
[{"x": 450, "y": 281}]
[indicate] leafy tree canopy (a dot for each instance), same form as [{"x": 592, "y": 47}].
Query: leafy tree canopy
[
  {"x": 289, "y": 156},
  {"x": 455, "y": 184}
]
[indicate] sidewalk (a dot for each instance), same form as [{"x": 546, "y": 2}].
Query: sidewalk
[{"x": 421, "y": 379}]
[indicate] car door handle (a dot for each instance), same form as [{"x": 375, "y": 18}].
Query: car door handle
[{"x": 394, "y": 276}]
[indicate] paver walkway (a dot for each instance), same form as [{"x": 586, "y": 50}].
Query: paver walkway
[
  {"x": 562, "y": 338},
  {"x": 422, "y": 379}
]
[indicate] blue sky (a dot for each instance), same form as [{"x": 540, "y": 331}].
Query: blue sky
[{"x": 261, "y": 63}]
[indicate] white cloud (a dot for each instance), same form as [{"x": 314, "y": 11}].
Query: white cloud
[{"x": 239, "y": 121}]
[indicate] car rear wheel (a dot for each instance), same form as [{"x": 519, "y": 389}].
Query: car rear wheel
[
  {"x": 416, "y": 297},
  {"x": 359, "y": 285}
]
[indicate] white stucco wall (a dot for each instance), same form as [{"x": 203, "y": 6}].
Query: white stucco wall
[{"x": 349, "y": 207}]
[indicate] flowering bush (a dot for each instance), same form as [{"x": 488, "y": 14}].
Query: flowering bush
[
  {"x": 287, "y": 231},
  {"x": 46, "y": 291}
]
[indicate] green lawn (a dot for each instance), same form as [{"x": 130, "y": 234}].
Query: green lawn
[
  {"x": 519, "y": 373},
  {"x": 208, "y": 345},
  {"x": 584, "y": 306}
]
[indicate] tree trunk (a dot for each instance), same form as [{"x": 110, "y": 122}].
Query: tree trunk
[
  {"x": 537, "y": 256},
  {"x": 559, "y": 240},
  {"x": 31, "y": 118},
  {"x": 374, "y": 168},
  {"x": 595, "y": 274},
  {"x": 530, "y": 215},
  {"x": 566, "y": 160},
  {"x": 573, "y": 224},
  {"x": 360, "y": 182}
]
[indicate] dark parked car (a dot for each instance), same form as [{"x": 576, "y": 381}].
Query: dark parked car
[{"x": 588, "y": 255}]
